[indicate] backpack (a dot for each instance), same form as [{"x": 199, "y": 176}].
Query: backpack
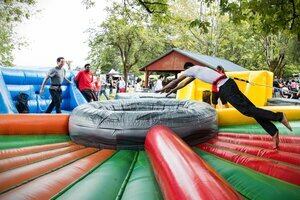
[{"x": 22, "y": 103}]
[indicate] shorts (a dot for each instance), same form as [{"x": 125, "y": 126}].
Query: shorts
[{"x": 214, "y": 98}]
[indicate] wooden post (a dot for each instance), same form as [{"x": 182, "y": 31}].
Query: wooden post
[{"x": 146, "y": 78}]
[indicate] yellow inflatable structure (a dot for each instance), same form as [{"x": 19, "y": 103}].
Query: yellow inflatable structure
[{"x": 257, "y": 93}]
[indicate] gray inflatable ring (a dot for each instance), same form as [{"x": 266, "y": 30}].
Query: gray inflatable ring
[
  {"x": 123, "y": 124},
  {"x": 283, "y": 102}
]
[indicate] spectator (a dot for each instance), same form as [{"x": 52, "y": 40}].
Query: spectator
[
  {"x": 294, "y": 86},
  {"x": 137, "y": 86},
  {"x": 277, "y": 92},
  {"x": 103, "y": 88},
  {"x": 111, "y": 85},
  {"x": 159, "y": 85},
  {"x": 122, "y": 85},
  {"x": 97, "y": 86},
  {"x": 84, "y": 80},
  {"x": 286, "y": 92}
]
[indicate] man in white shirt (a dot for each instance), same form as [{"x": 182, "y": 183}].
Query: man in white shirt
[
  {"x": 229, "y": 91},
  {"x": 158, "y": 85},
  {"x": 137, "y": 86}
]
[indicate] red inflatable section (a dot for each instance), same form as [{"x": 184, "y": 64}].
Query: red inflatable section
[
  {"x": 282, "y": 138},
  {"x": 283, "y": 156},
  {"x": 278, "y": 170},
  {"x": 288, "y": 147},
  {"x": 180, "y": 172}
]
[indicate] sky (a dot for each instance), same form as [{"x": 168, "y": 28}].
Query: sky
[{"x": 59, "y": 29}]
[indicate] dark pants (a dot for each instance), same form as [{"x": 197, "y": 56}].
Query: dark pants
[
  {"x": 231, "y": 93},
  {"x": 89, "y": 95},
  {"x": 214, "y": 98},
  {"x": 56, "y": 95}
]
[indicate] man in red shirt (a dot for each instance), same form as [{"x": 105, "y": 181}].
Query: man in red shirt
[{"x": 84, "y": 80}]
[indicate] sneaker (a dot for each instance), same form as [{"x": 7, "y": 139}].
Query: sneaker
[{"x": 286, "y": 123}]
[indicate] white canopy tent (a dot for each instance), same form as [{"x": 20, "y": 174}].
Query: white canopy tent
[{"x": 113, "y": 72}]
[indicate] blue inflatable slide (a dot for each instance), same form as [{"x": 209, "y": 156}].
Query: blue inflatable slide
[{"x": 15, "y": 81}]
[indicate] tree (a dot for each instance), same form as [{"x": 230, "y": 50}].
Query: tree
[
  {"x": 130, "y": 38},
  {"x": 6, "y": 44},
  {"x": 276, "y": 16},
  {"x": 11, "y": 13},
  {"x": 240, "y": 31}
]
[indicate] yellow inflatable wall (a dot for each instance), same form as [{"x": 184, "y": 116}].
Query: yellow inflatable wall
[
  {"x": 231, "y": 116},
  {"x": 256, "y": 93}
]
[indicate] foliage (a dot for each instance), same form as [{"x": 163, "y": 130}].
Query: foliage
[
  {"x": 125, "y": 40},
  {"x": 11, "y": 12},
  {"x": 6, "y": 45},
  {"x": 247, "y": 32},
  {"x": 276, "y": 16}
]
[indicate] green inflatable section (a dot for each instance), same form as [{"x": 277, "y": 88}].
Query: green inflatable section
[
  {"x": 142, "y": 183},
  {"x": 249, "y": 183},
  {"x": 125, "y": 175},
  {"x": 105, "y": 181},
  {"x": 257, "y": 129},
  {"x": 16, "y": 141}
]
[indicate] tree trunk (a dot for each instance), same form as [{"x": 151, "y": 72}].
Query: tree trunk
[
  {"x": 125, "y": 72},
  {"x": 276, "y": 65},
  {"x": 280, "y": 65}
]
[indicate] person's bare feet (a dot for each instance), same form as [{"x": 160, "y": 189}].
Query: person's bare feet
[
  {"x": 286, "y": 123},
  {"x": 276, "y": 141}
]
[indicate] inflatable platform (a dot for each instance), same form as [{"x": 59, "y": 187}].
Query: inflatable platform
[
  {"x": 38, "y": 160},
  {"x": 15, "y": 81}
]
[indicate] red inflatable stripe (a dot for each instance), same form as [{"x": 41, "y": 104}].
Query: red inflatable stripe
[
  {"x": 288, "y": 147},
  {"x": 282, "y": 138},
  {"x": 287, "y": 157},
  {"x": 270, "y": 167},
  {"x": 19, "y": 175},
  {"x": 14, "y": 162},
  {"x": 180, "y": 172},
  {"x": 50, "y": 184},
  {"x": 8, "y": 153}
]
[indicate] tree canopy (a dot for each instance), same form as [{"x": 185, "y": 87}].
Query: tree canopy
[
  {"x": 254, "y": 34},
  {"x": 11, "y": 12}
]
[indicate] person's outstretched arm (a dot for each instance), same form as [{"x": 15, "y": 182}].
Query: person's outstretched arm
[
  {"x": 172, "y": 84},
  {"x": 67, "y": 80},
  {"x": 43, "y": 84},
  {"x": 181, "y": 85}
]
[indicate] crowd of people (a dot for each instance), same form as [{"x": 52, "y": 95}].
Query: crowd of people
[{"x": 286, "y": 89}]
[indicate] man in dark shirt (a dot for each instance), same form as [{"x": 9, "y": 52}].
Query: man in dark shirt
[{"x": 57, "y": 75}]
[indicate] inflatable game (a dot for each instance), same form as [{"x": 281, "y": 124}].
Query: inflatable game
[{"x": 40, "y": 157}]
